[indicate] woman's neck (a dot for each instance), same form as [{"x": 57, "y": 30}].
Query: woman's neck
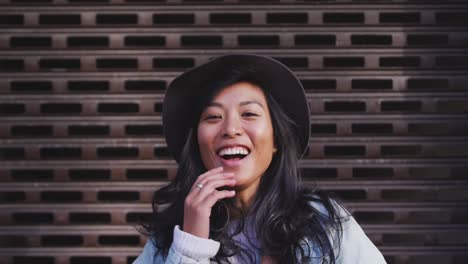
[
  {"x": 242, "y": 204},
  {"x": 246, "y": 196}
]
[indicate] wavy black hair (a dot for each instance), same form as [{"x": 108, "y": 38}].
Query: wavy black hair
[{"x": 291, "y": 222}]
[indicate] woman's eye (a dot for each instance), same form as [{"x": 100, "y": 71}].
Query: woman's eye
[
  {"x": 249, "y": 114},
  {"x": 212, "y": 117}
]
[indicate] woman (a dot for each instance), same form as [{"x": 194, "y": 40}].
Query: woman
[{"x": 237, "y": 126}]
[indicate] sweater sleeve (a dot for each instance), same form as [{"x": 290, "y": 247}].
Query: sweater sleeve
[{"x": 185, "y": 248}]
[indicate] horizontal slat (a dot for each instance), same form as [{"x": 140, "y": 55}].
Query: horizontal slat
[
  {"x": 161, "y": 141},
  {"x": 160, "y": 97},
  {"x": 125, "y": 207},
  {"x": 172, "y": 164},
  {"x": 157, "y": 119},
  {"x": 162, "y": 8},
  {"x": 202, "y": 30},
  {"x": 229, "y": 2},
  {"x": 73, "y": 251},
  {"x": 345, "y": 74},
  {"x": 69, "y": 229},
  {"x": 129, "y": 251},
  {"x": 169, "y": 164},
  {"x": 98, "y": 97},
  {"x": 151, "y": 186},
  {"x": 168, "y": 53},
  {"x": 81, "y": 98},
  {"x": 426, "y": 251},
  {"x": 127, "y": 229},
  {"x": 26, "y": 98}
]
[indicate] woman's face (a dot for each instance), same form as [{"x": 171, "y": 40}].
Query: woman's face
[{"x": 235, "y": 132}]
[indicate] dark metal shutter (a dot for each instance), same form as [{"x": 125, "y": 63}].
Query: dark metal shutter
[{"x": 81, "y": 144}]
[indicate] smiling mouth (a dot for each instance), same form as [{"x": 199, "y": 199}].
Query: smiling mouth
[{"x": 234, "y": 153}]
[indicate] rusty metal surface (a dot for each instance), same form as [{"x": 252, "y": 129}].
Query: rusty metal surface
[{"x": 81, "y": 141}]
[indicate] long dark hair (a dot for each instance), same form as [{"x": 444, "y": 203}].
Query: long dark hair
[{"x": 288, "y": 227}]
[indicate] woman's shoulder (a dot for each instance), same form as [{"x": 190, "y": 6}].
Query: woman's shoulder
[
  {"x": 350, "y": 241},
  {"x": 148, "y": 253}
]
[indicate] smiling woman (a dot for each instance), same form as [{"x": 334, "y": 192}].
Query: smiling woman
[{"x": 237, "y": 126}]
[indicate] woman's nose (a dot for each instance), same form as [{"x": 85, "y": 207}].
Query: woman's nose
[{"x": 232, "y": 127}]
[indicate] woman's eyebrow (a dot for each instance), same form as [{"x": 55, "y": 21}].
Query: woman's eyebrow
[
  {"x": 216, "y": 104},
  {"x": 251, "y": 102}
]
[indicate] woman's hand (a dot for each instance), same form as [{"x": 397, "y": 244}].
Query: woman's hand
[{"x": 202, "y": 197}]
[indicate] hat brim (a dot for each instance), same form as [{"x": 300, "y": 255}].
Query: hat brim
[{"x": 181, "y": 95}]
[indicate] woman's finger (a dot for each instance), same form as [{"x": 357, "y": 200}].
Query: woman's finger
[
  {"x": 210, "y": 172},
  {"x": 210, "y": 187},
  {"x": 215, "y": 196},
  {"x": 216, "y": 183},
  {"x": 207, "y": 174},
  {"x": 214, "y": 174},
  {"x": 201, "y": 183}
]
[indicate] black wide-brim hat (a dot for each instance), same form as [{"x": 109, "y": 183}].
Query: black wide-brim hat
[{"x": 184, "y": 95}]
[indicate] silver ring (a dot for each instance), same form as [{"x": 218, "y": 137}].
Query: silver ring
[{"x": 199, "y": 185}]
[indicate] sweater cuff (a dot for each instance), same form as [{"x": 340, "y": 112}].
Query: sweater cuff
[{"x": 194, "y": 247}]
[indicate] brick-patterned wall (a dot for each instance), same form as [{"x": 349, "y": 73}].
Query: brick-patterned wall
[{"x": 81, "y": 144}]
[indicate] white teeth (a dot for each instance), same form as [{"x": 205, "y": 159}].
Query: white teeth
[{"x": 233, "y": 151}]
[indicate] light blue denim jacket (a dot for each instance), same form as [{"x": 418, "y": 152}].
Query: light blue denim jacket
[{"x": 355, "y": 248}]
